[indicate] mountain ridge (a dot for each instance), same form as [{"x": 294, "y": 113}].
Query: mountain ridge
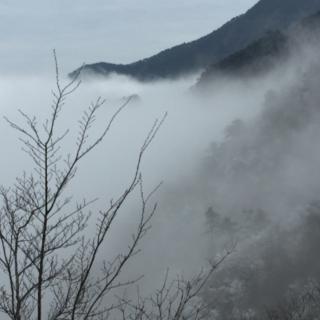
[{"x": 236, "y": 34}]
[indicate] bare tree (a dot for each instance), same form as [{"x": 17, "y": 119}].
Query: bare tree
[
  {"x": 178, "y": 299},
  {"x": 301, "y": 303},
  {"x": 47, "y": 261}
]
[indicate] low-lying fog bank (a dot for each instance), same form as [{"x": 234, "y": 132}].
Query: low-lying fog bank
[{"x": 239, "y": 165}]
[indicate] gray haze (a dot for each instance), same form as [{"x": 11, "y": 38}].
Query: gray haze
[
  {"x": 91, "y": 31},
  {"x": 240, "y": 164},
  {"x": 255, "y": 183}
]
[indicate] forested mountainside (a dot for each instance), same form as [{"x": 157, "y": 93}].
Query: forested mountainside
[{"x": 264, "y": 54}]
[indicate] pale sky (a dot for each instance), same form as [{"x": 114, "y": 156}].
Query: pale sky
[{"x": 89, "y": 31}]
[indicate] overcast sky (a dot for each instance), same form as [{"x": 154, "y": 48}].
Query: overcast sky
[{"x": 102, "y": 30}]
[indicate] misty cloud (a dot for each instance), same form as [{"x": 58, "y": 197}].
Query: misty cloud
[{"x": 240, "y": 165}]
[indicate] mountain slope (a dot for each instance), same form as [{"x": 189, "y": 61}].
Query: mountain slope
[
  {"x": 258, "y": 57},
  {"x": 231, "y": 37},
  {"x": 265, "y": 53}
]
